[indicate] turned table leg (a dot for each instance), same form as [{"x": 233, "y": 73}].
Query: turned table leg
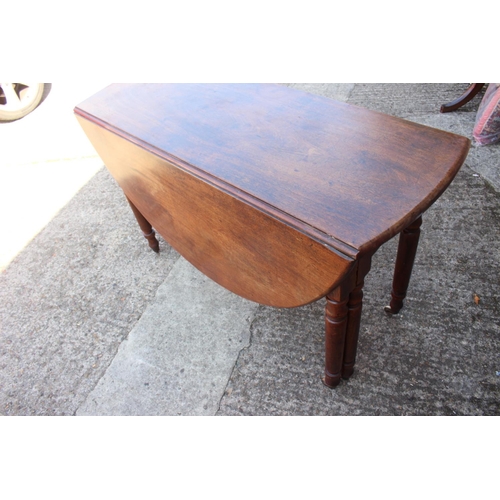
[
  {"x": 407, "y": 249},
  {"x": 146, "y": 228},
  {"x": 336, "y": 317},
  {"x": 354, "y": 306}
]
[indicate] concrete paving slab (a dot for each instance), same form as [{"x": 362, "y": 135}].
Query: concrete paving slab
[
  {"x": 337, "y": 91},
  {"x": 178, "y": 358},
  {"x": 35, "y": 193},
  {"x": 71, "y": 297},
  {"x": 404, "y": 99},
  {"x": 485, "y": 160}
]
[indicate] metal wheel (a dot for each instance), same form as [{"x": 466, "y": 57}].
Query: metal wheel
[{"x": 19, "y": 99}]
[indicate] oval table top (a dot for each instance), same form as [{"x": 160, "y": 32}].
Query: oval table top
[{"x": 343, "y": 178}]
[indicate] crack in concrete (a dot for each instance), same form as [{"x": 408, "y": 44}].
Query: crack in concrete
[{"x": 244, "y": 348}]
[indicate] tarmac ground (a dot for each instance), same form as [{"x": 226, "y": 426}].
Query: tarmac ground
[{"x": 94, "y": 323}]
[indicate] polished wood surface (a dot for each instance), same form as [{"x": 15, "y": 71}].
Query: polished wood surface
[
  {"x": 238, "y": 246},
  {"x": 280, "y": 196},
  {"x": 336, "y": 171}
]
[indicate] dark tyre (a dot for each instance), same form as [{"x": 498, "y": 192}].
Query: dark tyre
[{"x": 19, "y": 99}]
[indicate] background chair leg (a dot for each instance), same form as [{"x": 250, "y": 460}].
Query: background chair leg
[{"x": 470, "y": 93}]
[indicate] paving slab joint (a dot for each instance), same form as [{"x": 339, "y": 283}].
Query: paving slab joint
[{"x": 244, "y": 348}]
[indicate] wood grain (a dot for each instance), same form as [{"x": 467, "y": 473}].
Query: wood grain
[
  {"x": 241, "y": 248},
  {"x": 351, "y": 175}
]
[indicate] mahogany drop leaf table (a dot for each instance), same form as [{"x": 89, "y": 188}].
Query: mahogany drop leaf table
[{"x": 280, "y": 196}]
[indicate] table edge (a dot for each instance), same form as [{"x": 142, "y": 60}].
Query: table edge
[
  {"x": 338, "y": 246},
  {"x": 425, "y": 204}
]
